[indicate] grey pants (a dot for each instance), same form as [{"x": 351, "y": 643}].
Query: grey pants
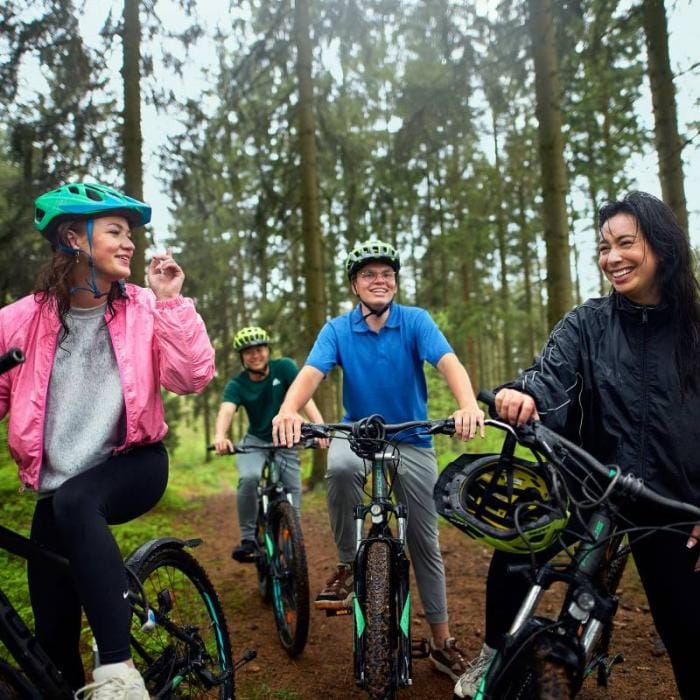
[
  {"x": 250, "y": 466},
  {"x": 345, "y": 477}
]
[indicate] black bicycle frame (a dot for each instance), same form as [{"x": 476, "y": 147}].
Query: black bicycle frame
[
  {"x": 17, "y": 637},
  {"x": 380, "y": 508}
]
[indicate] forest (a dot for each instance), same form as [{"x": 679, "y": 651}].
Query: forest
[{"x": 474, "y": 136}]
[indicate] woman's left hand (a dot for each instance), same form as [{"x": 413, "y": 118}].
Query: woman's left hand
[
  {"x": 165, "y": 276},
  {"x": 693, "y": 542}
]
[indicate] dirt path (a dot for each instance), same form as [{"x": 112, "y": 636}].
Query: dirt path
[{"x": 324, "y": 670}]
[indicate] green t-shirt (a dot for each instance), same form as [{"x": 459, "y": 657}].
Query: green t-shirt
[{"x": 262, "y": 400}]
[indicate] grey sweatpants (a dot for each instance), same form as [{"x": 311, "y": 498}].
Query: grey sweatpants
[
  {"x": 250, "y": 466},
  {"x": 345, "y": 478}
]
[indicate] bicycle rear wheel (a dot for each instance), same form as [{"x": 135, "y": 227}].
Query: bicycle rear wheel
[
  {"x": 380, "y": 647},
  {"x": 181, "y": 647},
  {"x": 290, "y": 579}
]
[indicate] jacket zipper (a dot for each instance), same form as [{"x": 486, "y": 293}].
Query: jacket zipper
[{"x": 643, "y": 436}]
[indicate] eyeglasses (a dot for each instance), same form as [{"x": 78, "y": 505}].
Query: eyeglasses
[{"x": 386, "y": 275}]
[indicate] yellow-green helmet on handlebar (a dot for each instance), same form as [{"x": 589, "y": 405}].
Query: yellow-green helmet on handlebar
[
  {"x": 506, "y": 504},
  {"x": 371, "y": 251},
  {"x": 249, "y": 337}
]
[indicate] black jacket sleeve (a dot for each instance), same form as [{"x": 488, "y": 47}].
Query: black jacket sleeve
[{"x": 554, "y": 379}]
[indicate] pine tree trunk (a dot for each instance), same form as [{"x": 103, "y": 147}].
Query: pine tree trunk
[
  {"x": 313, "y": 268},
  {"x": 132, "y": 139},
  {"x": 551, "y": 147},
  {"x": 663, "y": 96}
]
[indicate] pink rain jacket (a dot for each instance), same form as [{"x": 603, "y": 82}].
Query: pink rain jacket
[{"x": 156, "y": 343}]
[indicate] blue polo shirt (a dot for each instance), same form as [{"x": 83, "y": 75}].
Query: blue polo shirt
[{"x": 382, "y": 372}]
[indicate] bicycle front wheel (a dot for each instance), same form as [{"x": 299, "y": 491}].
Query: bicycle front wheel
[
  {"x": 180, "y": 644},
  {"x": 379, "y": 627},
  {"x": 290, "y": 579}
]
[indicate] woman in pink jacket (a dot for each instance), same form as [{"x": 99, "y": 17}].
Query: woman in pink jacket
[{"x": 86, "y": 415}]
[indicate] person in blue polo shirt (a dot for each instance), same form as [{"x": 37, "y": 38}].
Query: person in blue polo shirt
[{"x": 381, "y": 347}]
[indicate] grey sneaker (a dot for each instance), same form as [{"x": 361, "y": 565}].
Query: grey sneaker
[
  {"x": 338, "y": 591},
  {"x": 469, "y": 681},
  {"x": 448, "y": 659}
]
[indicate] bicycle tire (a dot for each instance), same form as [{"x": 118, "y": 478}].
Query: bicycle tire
[
  {"x": 552, "y": 680},
  {"x": 185, "y": 604},
  {"x": 262, "y": 563},
  {"x": 379, "y": 646},
  {"x": 616, "y": 564},
  {"x": 290, "y": 579}
]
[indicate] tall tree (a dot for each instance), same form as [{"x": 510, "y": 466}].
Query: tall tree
[
  {"x": 132, "y": 138},
  {"x": 313, "y": 264},
  {"x": 663, "y": 95},
  {"x": 551, "y": 146}
]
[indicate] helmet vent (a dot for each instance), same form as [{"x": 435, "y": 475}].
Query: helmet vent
[
  {"x": 73, "y": 189},
  {"x": 93, "y": 194},
  {"x": 39, "y": 214}
]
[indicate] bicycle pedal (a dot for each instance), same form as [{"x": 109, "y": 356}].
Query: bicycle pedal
[{"x": 420, "y": 648}]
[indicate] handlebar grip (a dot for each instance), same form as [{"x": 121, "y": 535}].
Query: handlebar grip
[
  {"x": 12, "y": 358},
  {"x": 489, "y": 398}
]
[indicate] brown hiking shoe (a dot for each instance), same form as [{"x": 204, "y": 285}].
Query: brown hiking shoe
[
  {"x": 448, "y": 659},
  {"x": 338, "y": 591}
]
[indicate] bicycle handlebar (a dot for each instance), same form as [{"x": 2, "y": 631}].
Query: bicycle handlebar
[
  {"x": 10, "y": 359},
  {"x": 537, "y": 436},
  {"x": 374, "y": 428},
  {"x": 237, "y": 449}
]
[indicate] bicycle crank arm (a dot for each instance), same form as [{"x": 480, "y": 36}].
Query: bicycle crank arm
[{"x": 247, "y": 657}]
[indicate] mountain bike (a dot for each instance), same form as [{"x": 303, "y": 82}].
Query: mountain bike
[
  {"x": 280, "y": 562},
  {"x": 179, "y": 638},
  {"x": 541, "y": 656},
  {"x": 381, "y": 607}
]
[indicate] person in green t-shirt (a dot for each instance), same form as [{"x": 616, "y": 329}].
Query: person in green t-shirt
[{"x": 260, "y": 389}]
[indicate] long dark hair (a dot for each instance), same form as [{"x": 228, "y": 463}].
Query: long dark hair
[
  {"x": 675, "y": 272},
  {"x": 55, "y": 278}
]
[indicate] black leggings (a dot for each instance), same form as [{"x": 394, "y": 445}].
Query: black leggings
[
  {"x": 74, "y": 522},
  {"x": 665, "y": 568}
]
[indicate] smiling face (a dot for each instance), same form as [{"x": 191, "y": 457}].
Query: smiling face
[
  {"x": 628, "y": 261},
  {"x": 112, "y": 248},
  {"x": 256, "y": 358},
  {"x": 375, "y": 284}
]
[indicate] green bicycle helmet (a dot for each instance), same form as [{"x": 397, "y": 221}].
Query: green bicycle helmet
[
  {"x": 249, "y": 337},
  {"x": 371, "y": 251},
  {"x": 85, "y": 200},
  {"x": 504, "y": 503}
]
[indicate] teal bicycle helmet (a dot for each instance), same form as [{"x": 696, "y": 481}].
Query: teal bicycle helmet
[
  {"x": 371, "y": 251},
  {"x": 85, "y": 200},
  {"x": 507, "y": 504}
]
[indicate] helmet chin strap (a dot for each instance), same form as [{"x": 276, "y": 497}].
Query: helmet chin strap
[
  {"x": 259, "y": 372},
  {"x": 374, "y": 312},
  {"x": 92, "y": 280}
]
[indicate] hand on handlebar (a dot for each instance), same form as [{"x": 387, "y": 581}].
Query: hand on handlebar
[
  {"x": 693, "y": 542},
  {"x": 466, "y": 422},
  {"x": 286, "y": 428},
  {"x": 516, "y": 408},
  {"x": 223, "y": 446}
]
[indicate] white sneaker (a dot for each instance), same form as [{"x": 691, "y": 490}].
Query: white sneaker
[
  {"x": 469, "y": 681},
  {"x": 114, "y": 682}
]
